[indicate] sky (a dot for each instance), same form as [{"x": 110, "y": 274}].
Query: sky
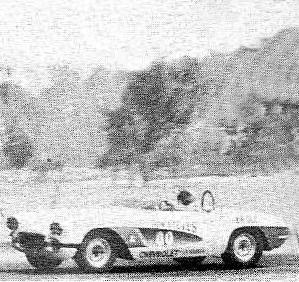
[{"x": 129, "y": 34}]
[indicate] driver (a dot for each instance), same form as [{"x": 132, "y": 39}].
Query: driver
[{"x": 186, "y": 201}]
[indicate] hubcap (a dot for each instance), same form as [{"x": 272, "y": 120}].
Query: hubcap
[
  {"x": 98, "y": 252},
  {"x": 244, "y": 247}
]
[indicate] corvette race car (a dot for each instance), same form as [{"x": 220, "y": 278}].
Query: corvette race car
[{"x": 96, "y": 237}]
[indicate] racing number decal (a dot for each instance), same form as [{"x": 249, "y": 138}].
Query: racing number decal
[
  {"x": 185, "y": 227},
  {"x": 160, "y": 238},
  {"x": 164, "y": 238},
  {"x": 168, "y": 238}
]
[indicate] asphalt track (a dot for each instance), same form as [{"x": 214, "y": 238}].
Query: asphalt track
[{"x": 271, "y": 270}]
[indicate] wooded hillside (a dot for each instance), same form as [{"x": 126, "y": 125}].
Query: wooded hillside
[{"x": 222, "y": 113}]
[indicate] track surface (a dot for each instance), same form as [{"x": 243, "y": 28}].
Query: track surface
[{"x": 215, "y": 271}]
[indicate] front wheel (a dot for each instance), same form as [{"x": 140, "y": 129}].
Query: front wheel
[
  {"x": 96, "y": 253},
  {"x": 244, "y": 249},
  {"x": 42, "y": 263}
]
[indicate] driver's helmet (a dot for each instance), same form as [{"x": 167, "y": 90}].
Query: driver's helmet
[{"x": 185, "y": 198}]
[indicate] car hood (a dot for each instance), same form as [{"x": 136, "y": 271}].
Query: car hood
[{"x": 39, "y": 220}]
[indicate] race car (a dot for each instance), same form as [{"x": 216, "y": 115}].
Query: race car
[{"x": 95, "y": 237}]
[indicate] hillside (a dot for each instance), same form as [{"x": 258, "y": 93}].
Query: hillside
[
  {"x": 268, "y": 73},
  {"x": 249, "y": 115},
  {"x": 222, "y": 114}
]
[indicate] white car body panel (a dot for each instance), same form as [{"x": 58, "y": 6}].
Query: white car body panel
[{"x": 213, "y": 229}]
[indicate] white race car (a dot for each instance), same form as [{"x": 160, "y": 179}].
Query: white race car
[{"x": 96, "y": 237}]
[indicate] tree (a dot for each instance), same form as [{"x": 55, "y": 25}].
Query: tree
[
  {"x": 163, "y": 97},
  {"x": 18, "y": 149}
]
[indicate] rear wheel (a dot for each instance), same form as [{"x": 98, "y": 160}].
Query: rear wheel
[
  {"x": 191, "y": 261},
  {"x": 96, "y": 253},
  {"x": 244, "y": 249},
  {"x": 42, "y": 263}
]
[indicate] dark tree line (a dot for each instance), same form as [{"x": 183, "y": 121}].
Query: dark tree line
[{"x": 155, "y": 102}]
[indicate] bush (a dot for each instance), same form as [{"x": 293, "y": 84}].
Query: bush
[{"x": 18, "y": 149}]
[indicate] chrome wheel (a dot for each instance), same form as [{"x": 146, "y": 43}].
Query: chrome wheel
[
  {"x": 98, "y": 252},
  {"x": 244, "y": 247}
]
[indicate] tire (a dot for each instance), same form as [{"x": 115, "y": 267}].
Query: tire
[
  {"x": 191, "y": 261},
  {"x": 43, "y": 263},
  {"x": 245, "y": 248},
  {"x": 96, "y": 253}
]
